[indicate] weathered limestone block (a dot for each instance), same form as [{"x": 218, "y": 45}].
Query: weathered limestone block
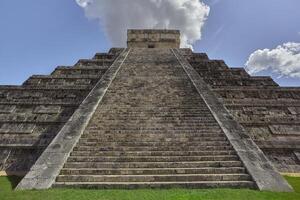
[
  {"x": 20, "y": 160},
  {"x": 47, "y": 129},
  {"x": 70, "y": 71},
  {"x": 236, "y": 81},
  {"x": 6, "y": 109},
  {"x": 256, "y": 110},
  {"x": 285, "y": 129},
  {"x": 17, "y": 128},
  {"x": 153, "y": 39},
  {"x": 294, "y": 110},
  {"x": 284, "y": 161},
  {"x": 21, "y": 141},
  {"x": 93, "y": 63},
  {"x": 23, "y": 94},
  {"x": 198, "y": 57},
  {"x": 223, "y": 74},
  {"x": 43, "y": 109},
  {"x": 259, "y": 132},
  {"x": 259, "y": 93},
  {"x": 31, "y": 118},
  {"x": 210, "y": 65},
  {"x": 104, "y": 56},
  {"x": 187, "y": 52}
]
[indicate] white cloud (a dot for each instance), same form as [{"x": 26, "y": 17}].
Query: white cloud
[
  {"x": 116, "y": 16},
  {"x": 283, "y": 60}
]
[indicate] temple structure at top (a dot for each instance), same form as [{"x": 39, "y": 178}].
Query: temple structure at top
[{"x": 150, "y": 38}]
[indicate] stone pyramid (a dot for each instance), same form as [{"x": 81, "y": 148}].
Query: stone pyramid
[{"x": 151, "y": 115}]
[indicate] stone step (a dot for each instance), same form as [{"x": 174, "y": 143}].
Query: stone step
[
  {"x": 164, "y": 93},
  {"x": 113, "y": 138},
  {"x": 134, "y": 102},
  {"x": 70, "y": 76},
  {"x": 153, "y": 128},
  {"x": 157, "y": 123},
  {"x": 183, "y": 117},
  {"x": 151, "y": 158},
  {"x": 155, "y": 148},
  {"x": 180, "y": 100},
  {"x": 135, "y": 124},
  {"x": 151, "y": 109},
  {"x": 39, "y": 102},
  {"x": 152, "y": 153},
  {"x": 194, "y": 164},
  {"x": 94, "y": 62},
  {"x": 138, "y": 104},
  {"x": 178, "y": 113},
  {"x": 180, "y": 94},
  {"x": 118, "y": 132},
  {"x": 162, "y": 119},
  {"x": 159, "y": 116},
  {"x": 154, "y": 112},
  {"x": 101, "y": 134},
  {"x": 154, "y": 144},
  {"x": 125, "y": 112},
  {"x": 208, "y": 130},
  {"x": 149, "y": 171},
  {"x": 104, "y": 56},
  {"x": 153, "y": 178},
  {"x": 94, "y": 69},
  {"x": 159, "y": 185},
  {"x": 62, "y": 87},
  {"x": 159, "y": 127}
]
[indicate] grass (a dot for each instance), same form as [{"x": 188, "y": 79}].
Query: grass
[{"x": 8, "y": 183}]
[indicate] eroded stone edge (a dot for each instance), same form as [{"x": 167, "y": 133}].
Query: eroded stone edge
[
  {"x": 44, "y": 172},
  {"x": 258, "y": 166}
]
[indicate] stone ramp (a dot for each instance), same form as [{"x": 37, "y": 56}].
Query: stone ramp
[{"x": 153, "y": 129}]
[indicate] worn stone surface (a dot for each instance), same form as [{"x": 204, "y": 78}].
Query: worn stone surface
[
  {"x": 32, "y": 114},
  {"x": 153, "y": 127},
  {"x": 258, "y": 166},
  {"x": 47, "y": 167},
  {"x": 269, "y": 113}
]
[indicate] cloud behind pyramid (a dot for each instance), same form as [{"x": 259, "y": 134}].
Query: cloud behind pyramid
[
  {"x": 283, "y": 60},
  {"x": 116, "y": 16}
]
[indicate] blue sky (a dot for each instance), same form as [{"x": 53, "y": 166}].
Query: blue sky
[{"x": 38, "y": 35}]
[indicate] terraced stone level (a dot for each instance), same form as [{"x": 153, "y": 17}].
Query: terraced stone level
[
  {"x": 32, "y": 114},
  {"x": 153, "y": 129}
]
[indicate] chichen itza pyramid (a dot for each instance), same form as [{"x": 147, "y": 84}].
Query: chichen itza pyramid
[{"x": 152, "y": 115}]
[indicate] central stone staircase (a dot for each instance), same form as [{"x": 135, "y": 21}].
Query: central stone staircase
[{"x": 153, "y": 130}]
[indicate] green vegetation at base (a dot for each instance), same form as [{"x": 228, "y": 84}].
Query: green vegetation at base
[
  {"x": 7, "y": 184},
  {"x": 294, "y": 182}
]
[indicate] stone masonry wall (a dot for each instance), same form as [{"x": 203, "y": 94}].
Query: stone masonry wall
[
  {"x": 32, "y": 114},
  {"x": 270, "y": 113},
  {"x": 153, "y": 39}
]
